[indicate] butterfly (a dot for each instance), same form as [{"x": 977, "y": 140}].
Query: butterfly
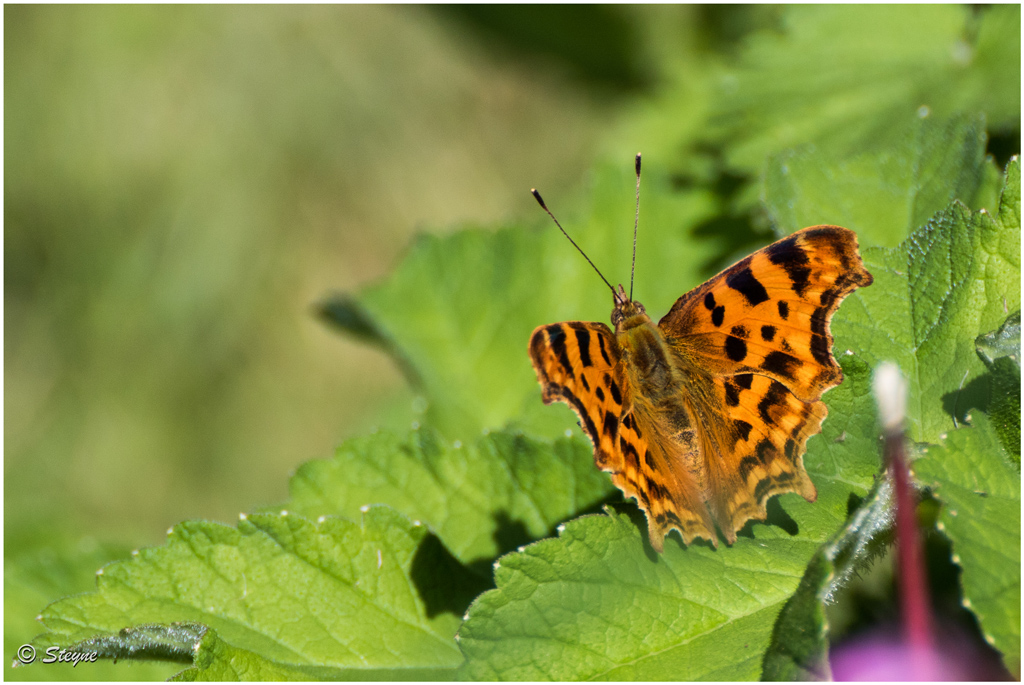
[{"x": 704, "y": 416}]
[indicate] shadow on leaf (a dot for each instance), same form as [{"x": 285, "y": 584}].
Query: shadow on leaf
[
  {"x": 973, "y": 395},
  {"x": 444, "y": 584},
  {"x": 777, "y": 517},
  {"x": 509, "y": 533}
]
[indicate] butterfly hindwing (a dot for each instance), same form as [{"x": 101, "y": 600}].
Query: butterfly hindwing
[
  {"x": 666, "y": 491},
  {"x": 767, "y": 428}
]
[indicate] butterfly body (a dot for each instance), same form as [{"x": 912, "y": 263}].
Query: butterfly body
[{"x": 705, "y": 415}]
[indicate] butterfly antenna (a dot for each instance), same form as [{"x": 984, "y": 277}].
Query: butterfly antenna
[
  {"x": 636, "y": 222},
  {"x": 543, "y": 206}
]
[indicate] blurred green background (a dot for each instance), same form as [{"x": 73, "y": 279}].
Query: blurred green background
[{"x": 184, "y": 184}]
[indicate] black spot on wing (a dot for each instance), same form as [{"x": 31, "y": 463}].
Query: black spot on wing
[
  {"x": 586, "y": 385},
  {"x": 648, "y": 459},
  {"x": 629, "y": 452},
  {"x": 740, "y": 332},
  {"x": 556, "y": 338},
  {"x": 583, "y": 338},
  {"x": 744, "y": 380},
  {"x": 783, "y": 309},
  {"x": 644, "y": 497},
  {"x": 538, "y": 351},
  {"x": 792, "y": 258},
  {"x": 735, "y": 348},
  {"x": 611, "y": 425},
  {"x": 790, "y": 450},
  {"x": 819, "y": 337},
  {"x": 747, "y": 464},
  {"x": 742, "y": 429},
  {"x": 775, "y": 395},
  {"x": 732, "y": 394},
  {"x": 766, "y": 452},
  {"x": 574, "y": 402},
  {"x": 614, "y": 387},
  {"x": 718, "y": 315},
  {"x": 780, "y": 363},
  {"x": 709, "y": 301},
  {"x": 604, "y": 352},
  {"x": 600, "y": 393},
  {"x": 767, "y": 333},
  {"x": 743, "y": 281},
  {"x": 819, "y": 349},
  {"x": 761, "y": 489}
]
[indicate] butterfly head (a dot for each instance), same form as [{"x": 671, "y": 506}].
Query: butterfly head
[{"x": 627, "y": 313}]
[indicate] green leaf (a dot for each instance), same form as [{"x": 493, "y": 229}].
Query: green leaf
[
  {"x": 216, "y": 660},
  {"x": 951, "y": 275},
  {"x": 582, "y": 606},
  {"x": 1000, "y": 351},
  {"x": 290, "y": 593},
  {"x": 799, "y": 646},
  {"x": 36, "y": 573},
  {"x": 884, "y": 193},
  {"x": 980, "y": 492},
  {"x": 1004, "y": 404},
  {"x": 839, "y": 80},
  {"x": 1004, "y": 342},
  {"x": 599, "y": 603},
  {"x": 984, "y": 261},
  {"x": 594, "y": 604},
  {"x": 932, "y": 296},
  {"x": 482, "y": 498},
  {"x": 847, "y": 76},
  {"x": 461, "y": 308},
  {"x": 345, "y": 313}
]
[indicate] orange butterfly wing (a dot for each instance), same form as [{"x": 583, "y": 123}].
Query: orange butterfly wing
[
  {"x": 580, "y": 363},
  {"x": 760, "y": 331}
]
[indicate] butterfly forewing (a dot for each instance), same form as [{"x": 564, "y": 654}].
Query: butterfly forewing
[
  {"x": 577, "y": 362},
  {"x": 769, "y": 313}
]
